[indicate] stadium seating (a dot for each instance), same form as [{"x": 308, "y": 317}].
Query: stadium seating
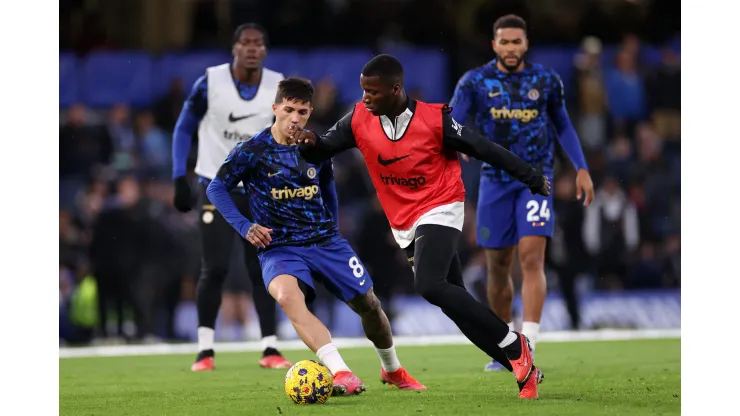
[{"x": 103, "y": 79}]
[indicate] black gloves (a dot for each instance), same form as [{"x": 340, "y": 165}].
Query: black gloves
[{"x": 183, "y": 196}]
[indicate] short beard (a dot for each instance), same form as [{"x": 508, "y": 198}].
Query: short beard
[{"x": 509, "y": 67}]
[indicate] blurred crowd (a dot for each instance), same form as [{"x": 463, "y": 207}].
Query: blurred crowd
[{"x": 119, "y": 229}]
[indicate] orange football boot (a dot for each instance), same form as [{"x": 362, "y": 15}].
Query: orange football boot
[{"x": 401, "y": 379}]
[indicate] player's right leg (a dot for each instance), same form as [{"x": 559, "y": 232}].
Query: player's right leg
[
  {"x": 377, "y": 329},
  {"x": 217, "y": 238},
  {"x": 535, "y": 224},
  {"x": 496, "y": 233},
  {"x": 282, "y": 269},
  {"x": 435, "y": 247}
]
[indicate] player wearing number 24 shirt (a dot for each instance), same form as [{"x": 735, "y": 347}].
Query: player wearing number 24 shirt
[{"x": 518, "y": 105}]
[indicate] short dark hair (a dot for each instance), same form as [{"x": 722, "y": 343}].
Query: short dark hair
[
  {"x": 251, "y": 25},
  {"x": 510, "y": 21},
  {"x": 294, "y": 89},
  {"x": 385, "y": 66}
]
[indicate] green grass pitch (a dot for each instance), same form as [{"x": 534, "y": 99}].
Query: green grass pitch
[{"x": 639, "y": 377}]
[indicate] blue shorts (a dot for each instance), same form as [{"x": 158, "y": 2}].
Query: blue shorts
[
  {"x": 508, "y": 211},
  {"x": 335, "y": 265}
]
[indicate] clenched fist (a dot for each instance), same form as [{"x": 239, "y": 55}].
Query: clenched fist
[{"x": 297, "y": 135}]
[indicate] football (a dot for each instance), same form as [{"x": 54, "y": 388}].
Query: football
[{"x": 308, "y": 382}]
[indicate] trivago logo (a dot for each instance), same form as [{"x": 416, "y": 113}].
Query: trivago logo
[
  {"x": 515, "y": 114},
  {"x": 235, "y": 136},
  {"x": 413, "y": 183},
  {"x": 306, "y": 193}
]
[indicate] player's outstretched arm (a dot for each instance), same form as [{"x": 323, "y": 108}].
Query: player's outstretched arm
[
  {"x": 568, "y": 138},
  {"x": 237, "y": 167},
  {"x": 190, "y": 116},
  {"x": 464, "y": 140},
  {"x": 337, "y": 139}
]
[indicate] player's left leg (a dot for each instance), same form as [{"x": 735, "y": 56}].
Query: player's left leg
[
  {"x": 340, "y": 270},
  {"x": 535, "y": 223},
  {"x": 287, "y": 275}
]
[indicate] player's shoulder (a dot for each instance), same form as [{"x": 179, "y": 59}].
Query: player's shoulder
[
  {"x": 272, "y": 76},
  {"x": 215, "y": 70},
  {"x": 544, "y": 70},
  {"x": 257, "y": 144},
  {"x": 201, "y": 83},
  {"x": 260, "y": 140},
  {"x": 220, "y": 67},
  {"x": 415, "y": 105},
  {"x": 475, "y": 75}
]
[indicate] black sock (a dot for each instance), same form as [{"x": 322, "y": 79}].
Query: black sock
[
  {"x": 482, "y": 340},
  {"x": 270, "y": 351},
  {"x": 205, "y": 354},
  {"x": 514, "y": 350}
]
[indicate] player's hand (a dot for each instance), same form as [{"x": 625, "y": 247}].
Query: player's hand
[
  {"x": 297, "y": 135},
  {"x": 584, "y": 186},
  {"x": 183, "y": 199},
  {"x": 539, "y": 184},
  {"x": 259, "y": 236}
]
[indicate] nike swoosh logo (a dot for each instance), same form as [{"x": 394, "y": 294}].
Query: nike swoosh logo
[
  {"x": 387, "y": 162},
  {"x": 271, "y": 174},
  {"x": 235, "y": 119},
  {"x": 493, "y": 94}
]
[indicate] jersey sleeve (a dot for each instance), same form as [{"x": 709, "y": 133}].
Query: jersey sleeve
[
  {"x": 238, "y": 166},
  {"x": 328, "y": 189},
  {"x": 461, "y": 139},
  {"x": 337, "y": 139},
  {"x": 192, "y": 113},
  {"x": 463, "y": 97},
  {"x": 558, "y": 113}
]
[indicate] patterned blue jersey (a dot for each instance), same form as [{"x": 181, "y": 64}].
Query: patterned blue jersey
[
  {"x": 515, "y": 110},
  {"x": 294, "y": 198}
]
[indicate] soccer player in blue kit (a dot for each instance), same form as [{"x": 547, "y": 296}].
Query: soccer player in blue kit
[
  {"x": 294, "y": 206},
  {"x": 516, "y": 104}
]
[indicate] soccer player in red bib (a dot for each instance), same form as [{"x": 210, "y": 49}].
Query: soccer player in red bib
[{"x": 410, "y": 148}]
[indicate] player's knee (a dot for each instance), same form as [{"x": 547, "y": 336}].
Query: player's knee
[
  {"x": 288, "y": 298},
  {"x": 365, "y": 304},
  {"x": 532, "y": 262},
  {"x": 214, "y": 275},
  {"x": 498, "y": 276},
  {"x": 430, "y": 289},
  {"x": 499, "y": 265}
]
